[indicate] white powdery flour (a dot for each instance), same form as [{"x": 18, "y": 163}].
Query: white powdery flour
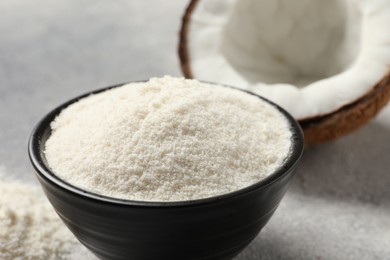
[
  {"x": 29, "y": 227},
  {"x": 168, "y": 139}
]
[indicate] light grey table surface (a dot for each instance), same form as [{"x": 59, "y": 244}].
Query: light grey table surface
[{"x": 338, "y": 205}]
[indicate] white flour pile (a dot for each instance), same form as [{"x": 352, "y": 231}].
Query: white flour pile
[
  {"x": 168, "y": 139},
  {"x": 29, "y": 227}
]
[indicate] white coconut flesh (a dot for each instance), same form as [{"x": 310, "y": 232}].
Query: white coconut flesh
[{"x": 312, "y": 57}]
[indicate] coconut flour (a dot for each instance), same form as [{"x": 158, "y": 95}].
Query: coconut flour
[
  {"x": 168, "y": 139},
  {"x": 29, "y": 227}
]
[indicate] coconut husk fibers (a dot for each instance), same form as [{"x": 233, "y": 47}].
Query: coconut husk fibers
[{"x": 317, "y": 129}]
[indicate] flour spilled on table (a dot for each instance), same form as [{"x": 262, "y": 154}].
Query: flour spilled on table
[{"x": 30, "y": 228}]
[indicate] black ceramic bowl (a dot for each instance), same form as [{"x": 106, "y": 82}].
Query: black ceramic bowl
[{"x": 212, "y": 228}]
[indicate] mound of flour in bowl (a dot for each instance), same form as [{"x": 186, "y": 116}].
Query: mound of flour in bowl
[{"x": 168, "y": 139}]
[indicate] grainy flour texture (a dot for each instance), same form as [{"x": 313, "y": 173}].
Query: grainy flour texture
[
  {"x": 168, "y": 139},
  {"x": 29, "y": 227}
]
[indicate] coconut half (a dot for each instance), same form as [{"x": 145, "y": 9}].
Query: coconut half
[{"x": 326, "y": 62}]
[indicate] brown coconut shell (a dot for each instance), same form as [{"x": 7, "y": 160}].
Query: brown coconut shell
[{"x": 318, "y": 129}]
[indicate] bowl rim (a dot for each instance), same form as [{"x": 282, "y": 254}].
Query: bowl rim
[{"x": 42, "y": 170}]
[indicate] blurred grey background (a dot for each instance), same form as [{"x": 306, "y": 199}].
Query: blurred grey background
[{"x": 338, "y": 206}]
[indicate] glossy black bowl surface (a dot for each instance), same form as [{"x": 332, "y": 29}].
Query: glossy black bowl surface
[{"x": 212, "y": 228}]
